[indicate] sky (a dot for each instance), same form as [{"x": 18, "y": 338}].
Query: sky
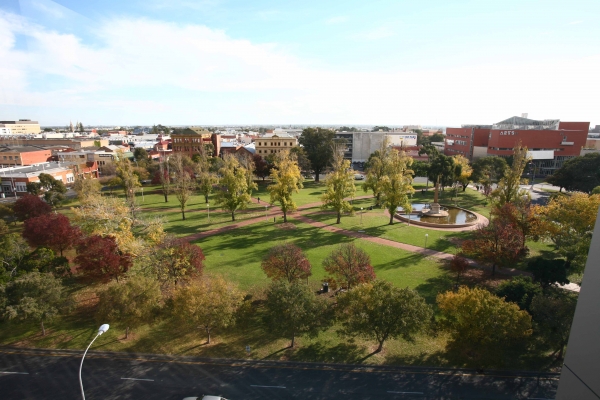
[{"x": 218, "y": 62}]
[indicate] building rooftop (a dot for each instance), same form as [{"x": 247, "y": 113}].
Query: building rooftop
[
  {"x": 20, "y": 149},
  {"x": 34, "y": 170}
]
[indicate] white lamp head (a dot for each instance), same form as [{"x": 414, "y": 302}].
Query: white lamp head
[{"x": 103, "y": 328}]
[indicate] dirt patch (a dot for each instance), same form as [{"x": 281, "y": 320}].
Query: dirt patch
[{"x": 286, "y": 226}]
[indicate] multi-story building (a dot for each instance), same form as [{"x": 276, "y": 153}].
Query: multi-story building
[
  {"x": 14, "y": 179},
  {"x": 23, "y": 155},
  {"x": 72, "y": 143},
  {"x": 271, "y": 144},
  {"x": 190, "y": 140},
  {"x": 22, "y": 127},
  {"x": 549, "y": 142},
  {"x": 102, "y": 156}
]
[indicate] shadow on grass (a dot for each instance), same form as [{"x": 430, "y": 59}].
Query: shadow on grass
[{"x": 340, "y": 353}]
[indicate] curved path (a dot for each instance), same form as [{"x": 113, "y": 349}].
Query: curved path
[{"x": 276, "y": 212}]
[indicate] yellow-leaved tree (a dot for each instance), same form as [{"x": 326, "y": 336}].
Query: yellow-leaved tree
[
  {"x": 233, "y": 193},
  {"x": 396, "y": 184},
  {"x": 340, "y": 185},
  {"x": 287, "y": 180}
]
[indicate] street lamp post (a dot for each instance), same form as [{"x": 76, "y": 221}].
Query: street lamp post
[
  {"x": 208, "y": 211},
  {"x": 266, "y": 213},
  {"x": 426, "y": 236},
  {"x": 361, "y": 213},
  {"x": 103, "y": 328},
  {"x": 142, "y": 195}
]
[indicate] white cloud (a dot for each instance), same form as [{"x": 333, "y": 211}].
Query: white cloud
[
  {"x": 381, "y": 32},
  {"x": 204, "y": 76}
]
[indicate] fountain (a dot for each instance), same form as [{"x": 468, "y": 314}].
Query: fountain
[{"x": 435, "y": 210}]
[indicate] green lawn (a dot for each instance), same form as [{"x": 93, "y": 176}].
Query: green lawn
[{"x": 311, "y": 193}]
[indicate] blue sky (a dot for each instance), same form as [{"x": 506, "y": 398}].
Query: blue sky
[{"x": 313, "y": 62}]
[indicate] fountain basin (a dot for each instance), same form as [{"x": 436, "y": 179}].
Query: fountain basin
[{"x": 457, "y": 217}]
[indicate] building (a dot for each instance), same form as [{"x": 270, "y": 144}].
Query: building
[
  {"x": 550, "y": 142},
  {"x": 14, "y": 179},
  {"x": 271, "y": 144},
  {"x": 347, "y": 138},
  {"x": 190, "y": 140},
  {"x": 101, "y": 156},
  {"x": 72, "y": 143},
  {"x": 22, "y": 127},
  {"x": 23, "y": 155}
]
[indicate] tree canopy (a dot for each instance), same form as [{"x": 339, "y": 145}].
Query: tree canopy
[
  {"x": 292, "y": 309},
  {"x": 100, "y": 259},
  {"x": 287, "y": 180},
  {"x": 581, "y": 174},
  {"x": 286, "y": 262},
  {"x": 233, "y": 193},
  {"x": 380, "y": 311},
  {"x": 30, "y": 206},
  {"x": 481, "y": 325},
  {"x": 349, "y": 264},
  {"x": 51, "y": 230},
  {"x": 340, "y": 185},
  {"x": 318, "y": 144}
]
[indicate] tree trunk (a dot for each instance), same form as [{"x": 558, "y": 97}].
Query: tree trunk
[
  {"x": 166, "y": 197},
  {"x": 380, "y": 347},
  {"x": 391, "y": 219},
  {"x": 293, "y": 340},
  {"x": 233, "y": 215},
  {"x": 43, "y": 329},
  {"x": 317, "y": 175},
  {"x": 284, "y": 216},
  {"x": 127, "y": 333},
  {"x": 183, "y": 214},
  {"x": 339, "y": 217},
  {"x": 208, "y": 335},
  {"x": 206, "y": 198},
  {"x": 494, "y": 269}
]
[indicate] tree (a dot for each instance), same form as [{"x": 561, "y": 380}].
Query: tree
[
  {"x": 177, "y": 260},
  {"x": 381, "y": 129},
  {"x": 596, "y": 190},
  {"x": 30, "y": 206},
  {"x": 184, "y": 184},
  {"x": 519, "y": 290},
  {"x": 261, "y": 168},
  {"x": 248, "y": 168},
  {"x": 349, "y": 264},
  {"x": 380, "y": 311},
  {"x": 465, "y": 171},
  {"x": 233, "y": 192},
  {"x": 301, "y": 158},
  {"x": 318, "y": 144},
  {"x": 549, "y": 272},
  {"x": 33, "y": 296},
  {"x": 207, "y": 304},
  {"x": 396, "y": 184},
  {"x": 287, "y": 180},
  {"x": 444, "y": 170},
  {"x": 44, "y": 260},
  {"x": 522, "y": 215},
  {"x": 581, "y": 174},
  {"x": 569, "y": 222},
  {"x": 13, "y": 252},
  {"x": 127, "y": 178},
  {"x": 53, "y": 189},
  {"x": 100, "y": 260},
  {"x": 482, "y": 326},
  {"x": 87, "y": 187},
  {"x": 163, "y": 177},
  {"x": 286, "y": 262},
  {"x": 292, "y": 309},
  {"x": 552, "y": 316},
  {"x": 459, "y": 265},
  {"x": 430, "y": 150},
  {"x": 51, "y": 230},
  {"x": 141, "y": 155},
  {"x": 487, "y": 171},
  {"x": 508, "y": 190},
  {"x": 375, "y": 169},
  {"x": 131, "y": 303},
  {"x": 495, "y": 244},
  {"x": 340, "y": 185}
]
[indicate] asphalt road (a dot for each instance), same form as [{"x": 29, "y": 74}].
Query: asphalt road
[{"x": 39, "y": 374}]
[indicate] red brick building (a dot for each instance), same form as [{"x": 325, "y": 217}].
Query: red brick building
[
  {"x": 190, "y": 140},
  {"x": 550, "y": 142},
  {"x": 24, "y": 155}
]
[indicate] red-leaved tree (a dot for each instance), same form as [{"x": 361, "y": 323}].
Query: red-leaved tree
[
  {"x": 178, "y": 260},
  {"x": 30, "y": 206},
  {"x": 286, "y": 261},
  {"x": 496, "y": 244},
  {"x": 349, "y": 264},
  {"x": 51, "y": 230},
  {"x": 100, "y": 260},
  {"x": 261, "y": 167},
  {"x": 522, "y": 216},
  {"x": 458, "y": 264}
]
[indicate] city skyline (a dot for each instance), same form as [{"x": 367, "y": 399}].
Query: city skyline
[{"x": 229, "y": 63}]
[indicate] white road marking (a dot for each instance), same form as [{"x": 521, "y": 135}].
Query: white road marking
[
  {"x": 406, "y": 392},
  {"x": 9, "y": 372},
  {"x": 277, "y": 387},
  {"x": 139, "y": 379}
]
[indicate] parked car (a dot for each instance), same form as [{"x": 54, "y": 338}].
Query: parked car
[
  {"x": 359, "y": 177},
  {"x": 206, "y": 398}
]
